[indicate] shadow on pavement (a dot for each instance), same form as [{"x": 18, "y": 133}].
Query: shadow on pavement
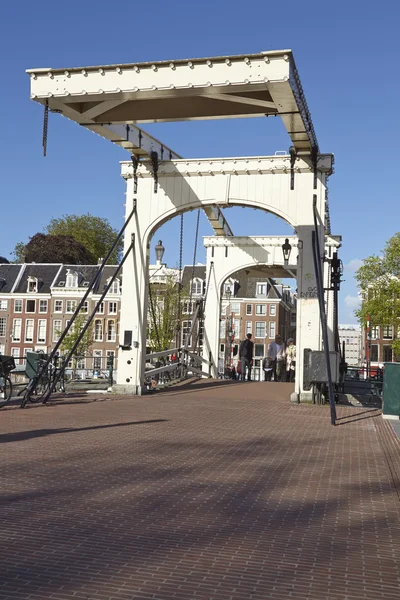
[{"x": 19, "y": 436}]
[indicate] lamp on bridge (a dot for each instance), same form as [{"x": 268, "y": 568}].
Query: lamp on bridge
[
  {"x": 286, "y": 249},
  {"x": 159, "y": 252}
]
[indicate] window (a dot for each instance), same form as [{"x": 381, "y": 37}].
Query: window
[
  {"x": 261, "y": 289},
  {"x": 100, "y": 309},
  {"x": 387, "y": 332},
  {"x": 222, "y": 348},
  {"x": 186, "y": 327},
  {"x": 259, "y": 350},
  {"x": 236, "y": 328},
  {"x": 197, "y": 287},
  {"x": 98, "y": 330},
  {"x": 387, "y": 353},
  {"x": 57, "y": 326},
  {"x": 18, "y": 306},
  {"x": 272, "y": 310},
  {"x": 235, "y": 307},
  {"x": 41, "y": 332},
  {"x": 30, "y": 306},
  {"x": 3, "y": 304},
  {"x": 97, "y": 359},
  {"x": 115, "y": 286},
  {"x": 222, "y": 328},
  {"x": 29, "y": 330},
  {"x": 374, "y": 353},
  {"x": 72, "y": 279},
  {"x": 111, "y": 333},
  {"x": 228, "y": 288},
  {"x": 26, "y": 350},
  {"x": 200, "y": 335},
  {"x": 110, "y": 354},
  {"x": 249, "y": 327},
  {"x": 261, "y": 309},
  {"x": 58, "y": 306},
  {"x": 187, "y": 307},
  {"x": 85, "y": 307},
  {"x": 3, "y": 326},
  {"x": 70, "y": 306},
  {"x": 112, "y": 308},
  {"x": 272, "y": 330},
  {"x": 43, "y": 306},
  {"x": 81, "y": 363},
  {"x": 260, "y": 329},
  {"x": 374, "y": 333},
  {"x": 249, "y": 309},
  {"x": 32, "y": 284},
  {"x": 17, "y": 326},
  {"x": 15, "y": 354}
]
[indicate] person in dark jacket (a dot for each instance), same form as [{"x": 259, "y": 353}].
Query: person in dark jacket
[{"x": 246, "y": 356}]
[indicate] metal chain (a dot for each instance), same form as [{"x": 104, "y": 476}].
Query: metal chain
[
  {"x": 194, "y": 260},
  {"x": 154, "y": 317},
  {"x": 203, "y": 308},
  {"x": 45, "y": 127},
  {"x": 179, "y": 307}
]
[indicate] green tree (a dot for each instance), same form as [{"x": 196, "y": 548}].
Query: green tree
[
  {"x": 70, "y": 339},
  {"x": 379, "y": 281},
  {"x": 43, "y": 248},
  {"x": 94, "y": 233},
  {"x": 163, "y": 315}
]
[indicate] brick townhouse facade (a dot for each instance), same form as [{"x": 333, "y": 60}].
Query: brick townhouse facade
[
  {"x": 37, "y": 301},
  {"x": 256, "y": 305},
  {"x": 377, "y": 345}
]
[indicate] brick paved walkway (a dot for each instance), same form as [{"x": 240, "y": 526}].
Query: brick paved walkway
[{"x": 224, "y": 492}]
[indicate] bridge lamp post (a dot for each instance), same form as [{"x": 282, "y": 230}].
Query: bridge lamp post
[
  {"x": 286, "y": 249},
  {"x": 159, "y": 249}
]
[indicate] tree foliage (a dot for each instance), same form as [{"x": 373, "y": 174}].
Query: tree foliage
[
  {"x": 163, "y": 315},
  {"x": 43, "y": 248},
  {"x": 379, "y": 281},
  {"x": 70, "y": 339},
  {"x": 95, "y": 234}
]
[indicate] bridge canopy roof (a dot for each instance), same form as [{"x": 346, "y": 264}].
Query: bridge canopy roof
[{"x": 112, "y": 100}]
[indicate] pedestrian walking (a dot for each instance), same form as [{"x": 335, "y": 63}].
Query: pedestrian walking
[
  {"x": 290, "y": 360},
  {"x": 267, "y": 368},
  {"x": 246, "y": 357},
  {"x": 276, "y": 354}
]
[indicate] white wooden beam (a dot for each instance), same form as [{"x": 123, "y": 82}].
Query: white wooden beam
[
  {"x": 101, "y": 108},
  {"x": 244, "y": 100}
]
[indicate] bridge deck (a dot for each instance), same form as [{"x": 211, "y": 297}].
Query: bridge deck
[{"x": 222, "y": 491}]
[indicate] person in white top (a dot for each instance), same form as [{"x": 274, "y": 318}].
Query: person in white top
[
  {"x": 290, "y": 360},
  {"x": 277, "y": 355}
]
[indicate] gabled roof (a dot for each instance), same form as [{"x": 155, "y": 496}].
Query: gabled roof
[
  {"x": 8, "y": 273},
  {"x": 108, "y": 272},
  {"x": 45, "y": 273},
  {"x": 87, "y": 272},
  {"x": 199, "y": 272}
]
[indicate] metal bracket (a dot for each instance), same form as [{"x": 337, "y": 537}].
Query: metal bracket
[
  {"x": 314, "y": 158},
  {"x": 135, "y": 164},
  {"x": 154, "y": 162},
  {"x": 292, "y": 152}
]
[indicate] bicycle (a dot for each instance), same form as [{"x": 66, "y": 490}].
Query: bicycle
[
  {"x": 7, "y": 364},
  {"x": 50, "y": 380}
]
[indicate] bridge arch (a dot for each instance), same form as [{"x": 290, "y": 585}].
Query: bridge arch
[{"x": 176, "y": 187}]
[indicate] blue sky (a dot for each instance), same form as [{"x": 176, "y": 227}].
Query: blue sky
[{"x": 347, "y": 54}]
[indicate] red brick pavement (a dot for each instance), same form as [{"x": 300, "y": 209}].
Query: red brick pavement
[{"x": 222, "y": 492}]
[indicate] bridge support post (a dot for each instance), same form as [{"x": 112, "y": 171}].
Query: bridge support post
[{"x": 134, "y": 301}]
